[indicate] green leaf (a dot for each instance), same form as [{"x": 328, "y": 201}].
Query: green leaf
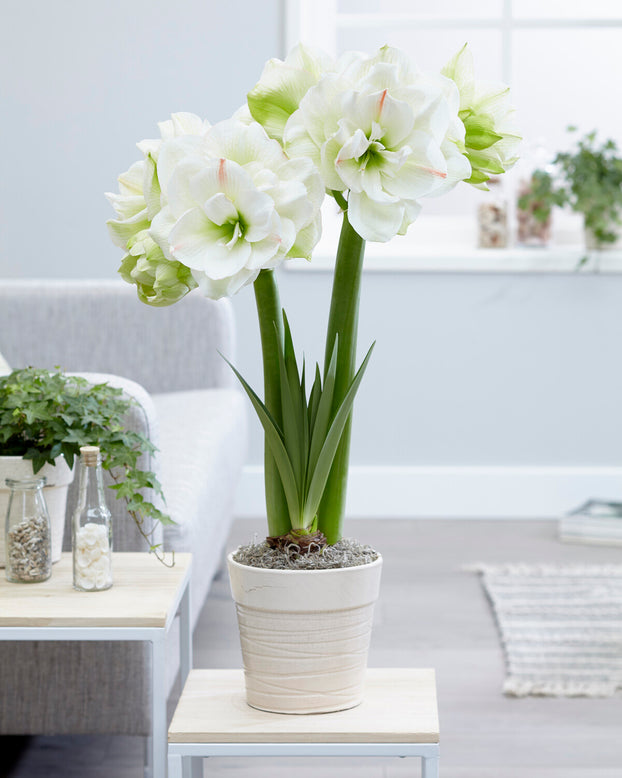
[
  {"x": 314, "y": 397},
  {"x": 327, "y": 454},
  {"x": 277, "y": 447},
  {"x": 324, "y": 410},
  {"x": 304, "y": 415},
  {"x": 290, "y": 406}
]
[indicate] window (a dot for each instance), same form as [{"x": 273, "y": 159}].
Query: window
[{"x": 562, "y": 60}]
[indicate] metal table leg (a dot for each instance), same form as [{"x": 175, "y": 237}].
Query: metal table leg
[
  {"x": 175, "y": 766},
  {"x": 159, "y": 729},
  {"x": 429, "y": 766},
  {"x": 185, "y": 636}
]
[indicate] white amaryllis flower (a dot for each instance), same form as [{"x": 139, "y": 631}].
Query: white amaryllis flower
[
  {"x": 385, "y": 133},
  {"x": 235, "y": 204},
  {"x": 282, "y": 86},
  {"x": 159, "y": 281},
  {"x": 491, "y": 140},
  {"x": 138, "y": 198}
]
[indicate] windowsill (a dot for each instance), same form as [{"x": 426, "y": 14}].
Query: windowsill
[
  {"x": 438, "y": 244},
  {"x": 388, "y": 258}
]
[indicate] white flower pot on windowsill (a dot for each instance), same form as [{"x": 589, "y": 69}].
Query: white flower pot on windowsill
[{"x": 58, "y": 477}]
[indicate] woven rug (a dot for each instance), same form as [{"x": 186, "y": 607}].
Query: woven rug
[{"x": 561, "y": 628}]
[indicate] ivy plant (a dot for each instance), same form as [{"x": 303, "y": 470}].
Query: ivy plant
[
  {"x": 46, "y": 414},
  {"x": 593, "y": 184},
  {"x": 588, "y": 179}
]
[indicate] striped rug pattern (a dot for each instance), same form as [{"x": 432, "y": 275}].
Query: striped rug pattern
[{"x": 561, "y": 628}]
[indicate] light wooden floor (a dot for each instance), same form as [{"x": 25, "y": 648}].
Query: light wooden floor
[{"x": 431, "y": 613}]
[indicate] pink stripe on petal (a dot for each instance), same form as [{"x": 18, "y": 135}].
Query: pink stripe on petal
[
  {"x": 433, "y": 171},
  {"x": 222, "y": 173},
  {"x": 383, "y": 97}
]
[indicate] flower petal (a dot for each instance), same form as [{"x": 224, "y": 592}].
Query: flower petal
[
  {"x": 251, "y": 145},
  {"x": 198, "y": 243},
  {"x": 283, "y": 85},
  {"x": 121, "y": 231},
  {"x": 423, "y": 170},
  {"x": 306, "y": 240},
  {"x": 373, "y": 220},
  {"x": 224, "y": 287},
  {"x": 219, "y": 209},
  {"x": 174, "y": 151}
]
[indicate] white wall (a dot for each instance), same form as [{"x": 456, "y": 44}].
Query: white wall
[
  {"x": 486, "y": 394},
  {"x": 82, "y": 83},
  {"x": 475, "y": 371}
]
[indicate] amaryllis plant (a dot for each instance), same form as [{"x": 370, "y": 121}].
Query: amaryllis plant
[{"x": 219, "y": 207}]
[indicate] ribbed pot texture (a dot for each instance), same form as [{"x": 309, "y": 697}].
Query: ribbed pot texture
[
  {"x": 58, "y": 477},
  {"x": 304, "y": 635}
]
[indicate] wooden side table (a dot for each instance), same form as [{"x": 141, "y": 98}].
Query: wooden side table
[
  {"x": 141, "y": 605},
  {"x": 398, "y": 717}
]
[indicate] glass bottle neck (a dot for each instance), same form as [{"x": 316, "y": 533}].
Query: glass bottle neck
[{"x": 91, "y": 485}]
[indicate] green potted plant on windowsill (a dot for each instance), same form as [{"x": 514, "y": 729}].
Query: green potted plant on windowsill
[
  {"x": 44, "y": 419},
  {"x": 588, "y": 179}
]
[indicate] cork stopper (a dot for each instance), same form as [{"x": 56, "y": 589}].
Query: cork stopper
[{"x": 90, "y": 455}]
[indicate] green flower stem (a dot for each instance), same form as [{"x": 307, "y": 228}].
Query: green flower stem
[
  {"x": 343, "y": 325},
  {"x": 271, "y": 331}
]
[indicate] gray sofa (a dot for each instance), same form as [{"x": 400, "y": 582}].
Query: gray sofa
[{"x": 188, "y": 405}]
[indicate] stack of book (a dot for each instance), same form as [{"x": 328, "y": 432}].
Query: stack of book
[{"x": 596, "y": 521}]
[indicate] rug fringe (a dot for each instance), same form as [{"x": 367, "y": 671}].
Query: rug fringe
[
  {"x": 518, "y": 687},
  {"x": 517, "y": 568}
]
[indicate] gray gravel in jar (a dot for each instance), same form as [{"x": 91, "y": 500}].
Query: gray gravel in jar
[{"x": 28, "y": 546}]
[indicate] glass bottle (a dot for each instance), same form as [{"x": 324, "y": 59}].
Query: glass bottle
[
  {"x": 91, "y": 528},
  {"x": 28, "y": 537}
]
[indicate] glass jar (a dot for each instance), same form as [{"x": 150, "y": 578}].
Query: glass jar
[
  {"x": 28, "y": 538},
  {"x": 533, "y": 210},
  {"x": 492, "y": 218},
  {"x": 91, "y": 527}
]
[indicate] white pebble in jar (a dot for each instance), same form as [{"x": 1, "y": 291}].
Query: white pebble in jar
[{"x": 92, "y": 558}]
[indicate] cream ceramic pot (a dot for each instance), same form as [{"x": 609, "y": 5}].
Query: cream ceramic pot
[
  {"x": 58, "y": 477},
  {"x": 304, "y": 634}
]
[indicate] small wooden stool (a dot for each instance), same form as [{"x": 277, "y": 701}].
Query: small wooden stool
[{"x": 398, "y": 717}]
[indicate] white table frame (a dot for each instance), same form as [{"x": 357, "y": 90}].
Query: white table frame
[
  {"x": 156, "y": 748},
  {"x": 185, "y": 759}
]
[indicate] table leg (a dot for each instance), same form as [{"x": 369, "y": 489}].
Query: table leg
[
  {"x": 429, "y": 767},
  {"x": 148, "y": 766},
  {"x": 185, "y": 636},
  {"x": 159, "y": 730},
  {"x": 192, "y": 767},
  {"x": 174, "y": 766}
]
